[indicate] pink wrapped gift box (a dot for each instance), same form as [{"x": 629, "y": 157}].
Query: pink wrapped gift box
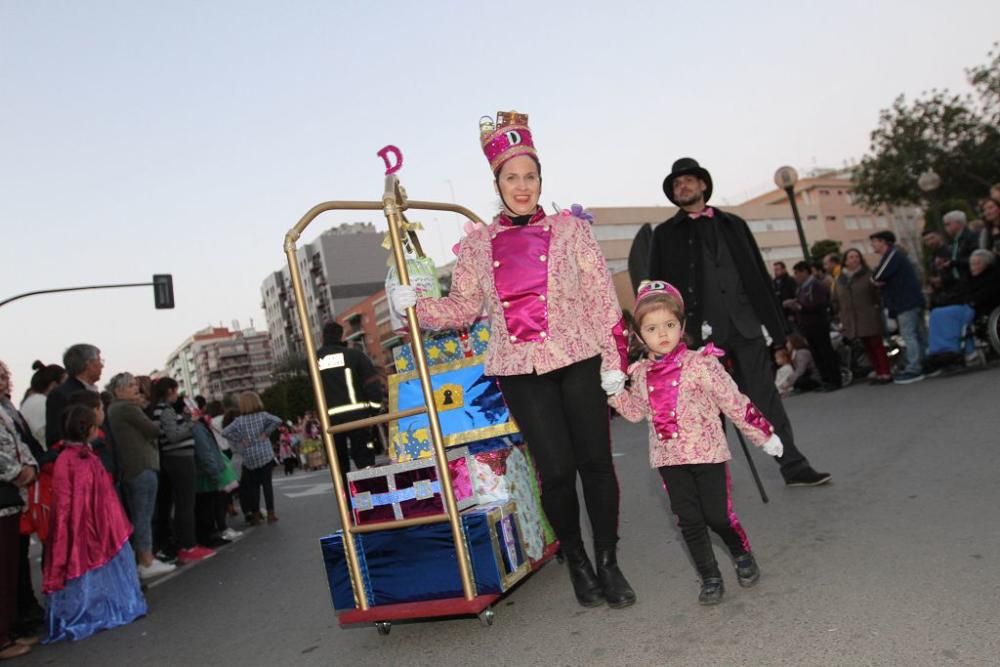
[{"x": 408, "y": 490}]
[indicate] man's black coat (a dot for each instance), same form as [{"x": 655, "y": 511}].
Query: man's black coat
[{"x": 676, "y": 257}]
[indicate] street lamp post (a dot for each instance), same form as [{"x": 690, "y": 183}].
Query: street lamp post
[{"x": 786, "y": 178}]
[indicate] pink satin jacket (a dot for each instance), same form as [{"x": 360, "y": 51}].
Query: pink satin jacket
[
  {"x": 681, "y": 395},
  {"x": 546, "y": 289}
]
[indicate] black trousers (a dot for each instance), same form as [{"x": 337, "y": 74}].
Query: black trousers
[
  {"x": 354, "y": 445},
  {"x": 210, "y": 514},
  {"x": 826, "y": 359},
  {"x": 752, "y": 372},
  {"x": 565, "y": 419},
  {"x": 251, "y": 483},
  {"x": 701, "y": 497}
]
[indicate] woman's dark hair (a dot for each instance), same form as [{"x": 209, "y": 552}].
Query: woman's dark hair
[
  {"x": 78, "y": 420},
  {"x": 45, "y": 375},
  {"x": 861, "y": 256},
  {"x": 215, "y": 408},
  {"x": 162, "y": 387},
  {"x": 230, "y": 417},
  {"x": 200, "y": 401}
]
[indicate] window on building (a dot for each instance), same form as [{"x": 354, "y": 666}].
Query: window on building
[
  {"x": 866, "y": 223},
  {"x": 881, "y": 222},
  {"x": 850, "y": 223}
]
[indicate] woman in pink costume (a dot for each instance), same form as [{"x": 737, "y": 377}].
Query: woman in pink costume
[
  {"x": 681, "y": 393},
  {"x": 90, "y": 577},
  {"x": 552, "y": 309}
]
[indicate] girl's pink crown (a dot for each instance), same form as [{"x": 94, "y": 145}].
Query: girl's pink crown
[
  {"x": 507, "y": 138},
  {"x": 651, "y": 287}
]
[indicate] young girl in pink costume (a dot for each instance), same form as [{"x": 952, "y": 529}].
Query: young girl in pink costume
[{"x": 681, "y": 393}]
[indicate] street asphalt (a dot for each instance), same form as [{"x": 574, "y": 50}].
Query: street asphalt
[{"x": 896, "y": 562}]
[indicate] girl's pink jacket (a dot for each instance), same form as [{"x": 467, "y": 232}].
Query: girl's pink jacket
[{"x": 681, "y": 395}]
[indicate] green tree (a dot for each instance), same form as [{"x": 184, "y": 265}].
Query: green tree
[
  {"x": 955, "y": 135},
  {"x": 289, "y": 398},
  {"x": 824, "y": 247}
]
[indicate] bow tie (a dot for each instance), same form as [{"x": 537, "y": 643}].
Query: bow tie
[{"x": 707, "y": 212}]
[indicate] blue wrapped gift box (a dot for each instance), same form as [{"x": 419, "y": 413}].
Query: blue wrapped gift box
[
  {"x": 444, "y": 347},
  {"x": 469, "y": 403},
  {"x": 418, "y": 563}
]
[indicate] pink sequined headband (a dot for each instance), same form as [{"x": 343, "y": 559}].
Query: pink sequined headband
[
  {"x": 509, "y": 137},
  {"x": 651, "y": 287}
]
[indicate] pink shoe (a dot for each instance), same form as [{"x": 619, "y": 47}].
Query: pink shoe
[{"x": 194, "y": 554}]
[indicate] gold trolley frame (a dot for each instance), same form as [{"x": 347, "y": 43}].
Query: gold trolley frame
[{"x": 394, "y": 203}]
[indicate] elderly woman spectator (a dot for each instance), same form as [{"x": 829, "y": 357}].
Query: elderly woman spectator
[
  {"x": 17, "y": 470},
  {"x": 136, "y": 438},
  {"x": 856, "y": 301},
  {"x": 984, "y": 285}
]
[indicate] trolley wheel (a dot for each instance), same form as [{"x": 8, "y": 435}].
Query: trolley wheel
[
  {"x": 383, "y": 627},
  {"x": 993, "y": 329},
  {"x": 486, "y": 617},
  {"x": 846, "y": 376}
]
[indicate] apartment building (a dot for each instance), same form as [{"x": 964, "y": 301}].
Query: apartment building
[
  {"x": 343, "y": 265},
  {"x": 216, "y": 362}
]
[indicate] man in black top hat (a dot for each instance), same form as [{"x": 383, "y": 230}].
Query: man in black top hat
[
  {"x": 353, "y": 391},
  {"x": 713, "y": 259}
]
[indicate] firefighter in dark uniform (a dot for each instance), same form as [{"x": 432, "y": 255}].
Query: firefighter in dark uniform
[{"x": 353, "y": 391}]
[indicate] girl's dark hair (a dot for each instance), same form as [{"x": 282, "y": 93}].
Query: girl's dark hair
[
  {"x": 798, "y": 341},
  {"x": 215, "y": 408},
  {"x": 162, "y": 387},
  {"x": 229, "y": 417},
  {"x": 45, "y": 375},
  {"x": 78, "y": 420}
]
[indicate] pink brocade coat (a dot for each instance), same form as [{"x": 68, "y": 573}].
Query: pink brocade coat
[
  {"x": 89, "y": 526},
  {"x": 563, "y": 308},
  {"x": 684, "y": 424}
]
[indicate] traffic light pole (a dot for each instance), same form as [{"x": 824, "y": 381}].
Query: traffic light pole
[{"x": 163, "y": 296}]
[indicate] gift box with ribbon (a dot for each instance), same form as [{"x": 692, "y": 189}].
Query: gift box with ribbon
[
  {"x": 419, "y": 563},
  {"x": 407, "y": 490},
  {"x": 469, "y": 404},
  {"x": 444, "y": 347}
]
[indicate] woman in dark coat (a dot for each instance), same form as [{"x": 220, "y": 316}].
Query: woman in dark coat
[{"x": 857, "y": 302}]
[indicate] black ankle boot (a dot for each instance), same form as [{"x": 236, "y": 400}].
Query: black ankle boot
[
  {"x": 711, "y": 591},
  {"x": 616, "y": 589},
  {"x": 747, "y": 572},
  {"x": 581, "y": 573}
]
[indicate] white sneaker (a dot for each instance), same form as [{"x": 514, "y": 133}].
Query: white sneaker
[
  {"x": 230, "y": 534},
  {"x": 155, "y": 569}
]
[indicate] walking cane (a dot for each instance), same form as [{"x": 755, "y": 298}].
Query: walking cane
[{"x": 753, "y": 468}]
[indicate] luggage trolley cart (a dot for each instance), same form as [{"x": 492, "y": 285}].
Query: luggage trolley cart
[{"x": 394, "y": 203}]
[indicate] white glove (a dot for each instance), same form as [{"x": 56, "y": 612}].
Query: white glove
[
  {"x": 613, "y": 382},
  {"x": 773, "y": 446},
  {"x": 402, "y": 297}
]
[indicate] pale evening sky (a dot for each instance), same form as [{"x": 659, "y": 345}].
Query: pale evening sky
[{"x": 187, "y": 137}]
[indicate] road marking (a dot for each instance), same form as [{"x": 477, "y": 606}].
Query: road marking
[{"x": 312, "y": 490}]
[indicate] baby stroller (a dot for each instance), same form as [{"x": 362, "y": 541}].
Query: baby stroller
[{"x": 951, "y": 343}]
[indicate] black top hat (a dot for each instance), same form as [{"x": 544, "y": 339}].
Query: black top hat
[{"x": 685, "y": 166}]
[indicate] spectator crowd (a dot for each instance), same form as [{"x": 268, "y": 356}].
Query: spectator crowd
[
  {"x": 120, "y": 486},
  {"x": 842, "y": 311}
]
